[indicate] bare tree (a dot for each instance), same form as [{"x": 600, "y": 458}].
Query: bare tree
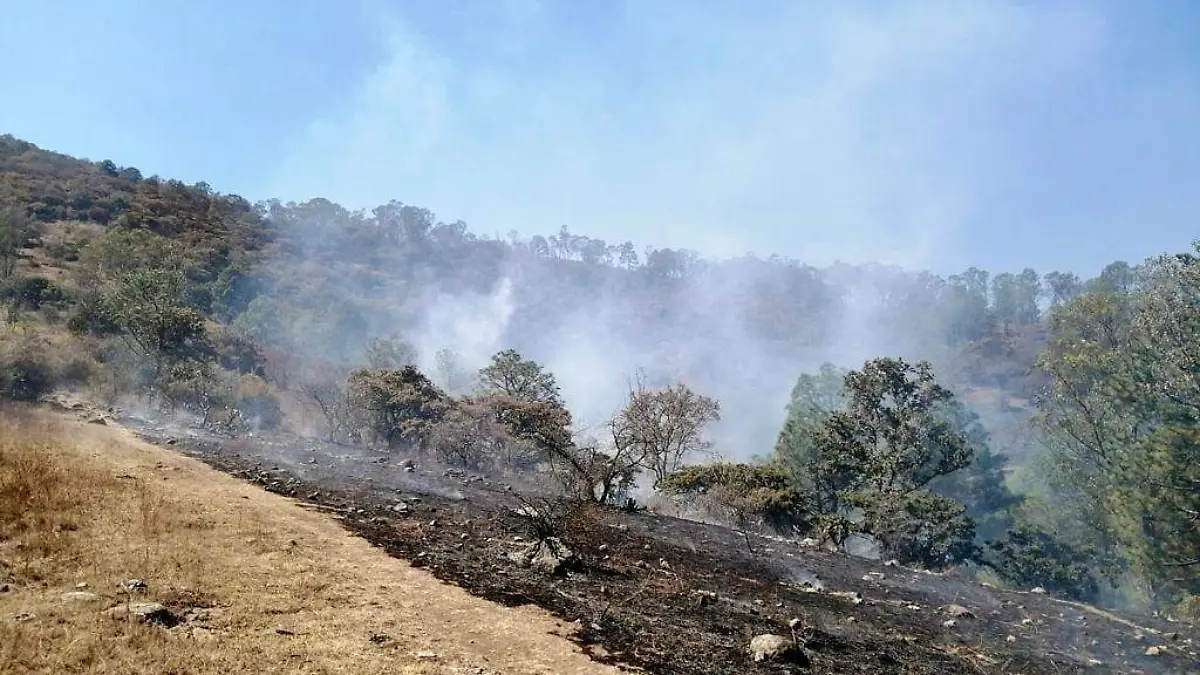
[
  {"x": 663, "y": 427},
  {"x": 325, "y": 389}
]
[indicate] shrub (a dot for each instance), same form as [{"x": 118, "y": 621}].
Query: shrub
[
  {"x": 24, "y": 373},
  {"x": 1028, "y": 556},
  {"x": 31, "y": 292},
  {"x": 918, "y": 527},
  {"x": 745, "y": 494}
]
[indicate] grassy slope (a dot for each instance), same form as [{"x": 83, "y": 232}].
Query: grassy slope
[{"x": 269, "y": 587}]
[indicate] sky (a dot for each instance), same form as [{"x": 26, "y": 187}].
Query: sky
[{"x": 931, "y": 134}]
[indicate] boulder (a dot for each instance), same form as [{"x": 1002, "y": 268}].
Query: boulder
[
  {"x": 145, "y": 612},
  {"x": 778, "y": 649}
]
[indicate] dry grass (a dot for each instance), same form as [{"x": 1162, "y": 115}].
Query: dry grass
[{"x": 261, "y": 585}]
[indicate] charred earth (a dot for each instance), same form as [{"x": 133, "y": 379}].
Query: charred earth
[{"x": 673, "y": 596}]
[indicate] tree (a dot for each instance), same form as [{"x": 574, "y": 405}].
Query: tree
[
  {"x": 814, "y": 398},
  {"x": 877, "y": 453},
  {"x": 980, "y": 485},
  {"x": 512, "y": 375},
  {"x": 389, "y": 353},
  {"x": 1063, "y": 287},
  {"x": 1028, "y": 556},
  {"x": 451, "y": 376},
  {"x": 148, "y": 306},
  {"x": 664, "y": 426},
  {"x": 892, "y": 434},
  {"x": 14, "y": 228},
  {"x": 918, "y": 526},
  {"x": 397, "y": 406},
  {"x": 1121, "y": 416}
]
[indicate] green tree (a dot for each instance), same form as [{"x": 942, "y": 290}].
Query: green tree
[
  {"x": 1063, "y": 287},
  {"x": 397, "y": 406},
  {"x": 1121, "y": 416},
  {"x": 877, "y": 455},
  {"x": 892, "y": 434},
  {"x": 148, "y": 307},
  {"x": 512, "y": 375},
  {"x": 979, "y": 486},
  {"x": 814, "y": 398}
]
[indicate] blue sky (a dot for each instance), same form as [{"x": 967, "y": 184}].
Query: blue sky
[{"x": 1058, "y": 134}]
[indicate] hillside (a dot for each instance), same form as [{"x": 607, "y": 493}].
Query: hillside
[
  {"x": 675, "y": 454},
  {"x": 315, "y": 283},
  {"x": 247, "y": 581}
]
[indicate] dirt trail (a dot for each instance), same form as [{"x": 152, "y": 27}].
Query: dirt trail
[{"x": 298, "y": 577}]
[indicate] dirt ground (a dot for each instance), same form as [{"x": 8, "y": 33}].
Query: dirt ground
[
  {"x": 676, "y": 596},
  {"x": 248, "y": 581}
]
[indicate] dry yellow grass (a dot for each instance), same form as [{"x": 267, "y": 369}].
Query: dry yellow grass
[{"x": 266, "y": 586}]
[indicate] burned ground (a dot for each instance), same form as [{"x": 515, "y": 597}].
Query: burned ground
[{"x": 675, "y": 596}]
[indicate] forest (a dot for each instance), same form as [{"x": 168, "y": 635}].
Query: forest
[{"x": 1037, "y": 428}]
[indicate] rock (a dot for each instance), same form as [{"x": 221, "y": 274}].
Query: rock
[
  {"x": 1154, "y": 651},
  {"x": 949, "y": 623},
  {"x": 1010, "y": 639},
  {"x": 795, "y": 623},
  {"x": 852, "y": 596},
  {"x": 426, "y": 656},
  {"x": 80, "y": 596},
  {"x": 1038, "y": 589},
  {"x": 400, "y": 508},
  {"x": 81, "y": 585},
  {"x": 959, "y": 612},
  {"x": 873, "y": 576},
  {"x": 407, "y": 464},
  {"x": 768, "y": 647},
  {"x": 706, "y": 598},
  {"x": 145, "y": 612},
  {"x": 380, "y": 639},
  {"x": 551, "y": 556},
  {"x": 1027, "y": 621},
  {"x": 4, "y": 588}
]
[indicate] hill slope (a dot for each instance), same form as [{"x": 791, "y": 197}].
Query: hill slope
[{"x": 252, "y": 582}]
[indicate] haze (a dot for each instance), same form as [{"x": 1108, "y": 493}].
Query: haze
[{"x": 930, "y": 134}]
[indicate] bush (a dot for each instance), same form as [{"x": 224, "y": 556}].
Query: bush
[
  {"x": 238, "y": 353},
  {"x": 24, "y": 374},
  {"x": 91, "y": 317},
  {"x": 745, "y": 494},
  {"x": 1028, "y": 556},
  {"x": 919, "y": 527},
  {"x": 31, "y": 292}
]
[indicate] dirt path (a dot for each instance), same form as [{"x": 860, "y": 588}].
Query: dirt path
[{"x": 290, "y": 589}]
